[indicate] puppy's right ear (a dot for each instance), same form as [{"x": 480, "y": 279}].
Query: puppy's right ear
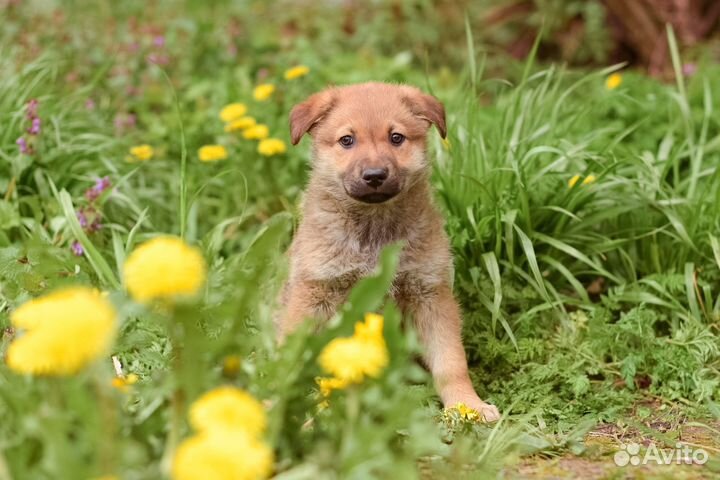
[{"x": 304, "y": 116}]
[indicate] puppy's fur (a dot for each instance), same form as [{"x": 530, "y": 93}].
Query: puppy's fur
[{"x": 350, "y": 214}]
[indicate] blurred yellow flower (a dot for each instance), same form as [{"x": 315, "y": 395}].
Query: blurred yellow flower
[
  {"x": 240, "y": 124},
  {"x": 228, "y": 408},
  {"x": 141, "y": 153},
  {"x": 257, "y": 132},
  {"x": 271, "y": 146},
  {"x": 296, "y": 72},
  {"x": 328, "y": 384},
  {"x": 232, "y": 112},
  {"x": 263, "y": 92},
  {"x": 164, "y": 268},
  {"x": 613, "y": 81},
  {"x": 231, "y": 365},
  {"x": 589, "y": 179},
  {"x": 371, "y": 328},
  {"x": 212, "y": 153},
  {"x": 62, "y": 332},
  {"x": 123, "y": 383},
  {"x": 364, "y": 354},
  {"x": 222, "y": 455}
]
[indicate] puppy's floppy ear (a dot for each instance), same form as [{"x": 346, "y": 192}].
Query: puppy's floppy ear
[
  {"x": 304, "y": 116},
  {"x": 426, "y": 107}
]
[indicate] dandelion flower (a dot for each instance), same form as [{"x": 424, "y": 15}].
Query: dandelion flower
[
  {"x": 124, "y": 383},
  {"x": 257, "y": 132},
  {"x": 296, "y": 72},
  {"x": 164, "y": 268},
  {"x": 271, "y": 146},
  {"x": 613, "y": 81},
  {"x": 573, "y": 181},
  {"x": 232, "y": 112},
  {"x": 362, "y": 355},
  {"x": 328, "y": 384},
  {"x": 228, "y": 408},
  {"x": 212, "y": 153},
  {"x": 141, "y": 153},
  {"x": 467, "y": 413},
  {"x": 223, "y": 455},
  {"x": 240, "y": 124},
  {"x": 263, "y": 92},
  {"x": 62, "y": 332},
  {"x": 586, "y": 181}
]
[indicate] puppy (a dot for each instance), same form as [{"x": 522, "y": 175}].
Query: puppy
[{"x": 369, "y": 187}]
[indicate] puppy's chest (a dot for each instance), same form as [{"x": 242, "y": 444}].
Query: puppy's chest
[{"x": 413, "y": 277}]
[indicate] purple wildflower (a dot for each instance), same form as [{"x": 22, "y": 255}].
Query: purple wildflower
[
  {"x": 82, "y": 218},
  {"x": 101, "y": 184},
  {"x": 31, "y": 110},
  {"x": 77, "y": 248},
  {"x": 95, "y": 225},
  {"x": 89, "y": 104},
  {"x": 34, "y": 127},
  {"x": 24, "y": 148},
  {"x": 689, "y": 69},
  {"x": 159, "y": 41}
]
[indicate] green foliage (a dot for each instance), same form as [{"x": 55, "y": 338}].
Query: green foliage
[{"x": 578, "y": 300}]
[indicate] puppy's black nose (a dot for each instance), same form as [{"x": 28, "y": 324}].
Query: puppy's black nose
[{"x": 375, "y": 176}]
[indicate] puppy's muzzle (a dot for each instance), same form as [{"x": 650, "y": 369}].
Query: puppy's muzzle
[{"x": 373, "y": 185}]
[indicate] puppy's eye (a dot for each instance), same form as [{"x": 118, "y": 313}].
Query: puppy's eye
[
  {"x": 346, "y": 141},
  {"x": 397, "y": 138}
]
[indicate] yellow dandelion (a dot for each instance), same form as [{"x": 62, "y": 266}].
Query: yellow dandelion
[
  {"x": 271, "y": 146},
  {"x": 613, "y": 81},
  {"x": 467, "y": 413},
  {"x": 212, "y": 153},
  {"x": 296, "y": 72},
  {"x": 586, "y": 181},
  {"x": 124, "y": 383},
  {"x": 328, "y": 384},
  {"x": 371, "y": 328},
  {"x": 263, "y": 92},
  {"x": 256, "y": 132},
  {"x": 224, "y": 454},
  {"x": 573, "y": 181},
  {"x": 362, "y": 355},
  {"x": 61, "y": 332},
  {"x": 232, "y": 112},
  {"x": 240, "y": 124},
  {"x": 164, "y": 268},
  {"x": 141, "y": 153},
  {"x": 231, "y": 365},
  {"x": 228, "y": 408}
]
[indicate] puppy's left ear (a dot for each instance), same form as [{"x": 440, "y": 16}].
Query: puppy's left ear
[
  {"x": 304, "y": 116},
  {"x": 426, "y": 107}
]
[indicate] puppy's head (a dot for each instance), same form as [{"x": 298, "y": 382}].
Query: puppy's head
[{"x": 368, "y": 139}]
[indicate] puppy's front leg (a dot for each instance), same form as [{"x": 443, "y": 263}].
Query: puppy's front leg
[
  {"x": 438, "y": 322},
  {"x": 303, "y": 300}
]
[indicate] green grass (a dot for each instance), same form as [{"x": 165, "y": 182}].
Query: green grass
[{"x": 585, "y": 306}]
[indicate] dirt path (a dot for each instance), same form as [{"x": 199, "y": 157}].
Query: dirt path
[{"x": 662, "y": 447}]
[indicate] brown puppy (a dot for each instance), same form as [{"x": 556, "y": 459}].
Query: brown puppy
[{"x": 369, "y": 187}]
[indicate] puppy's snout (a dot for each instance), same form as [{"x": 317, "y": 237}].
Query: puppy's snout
[{"x": 375, "y": 177}]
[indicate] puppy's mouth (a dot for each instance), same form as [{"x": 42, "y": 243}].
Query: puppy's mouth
[
  {"x": 374, "y": 197},
  {"x": 361, "y": 192}
]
